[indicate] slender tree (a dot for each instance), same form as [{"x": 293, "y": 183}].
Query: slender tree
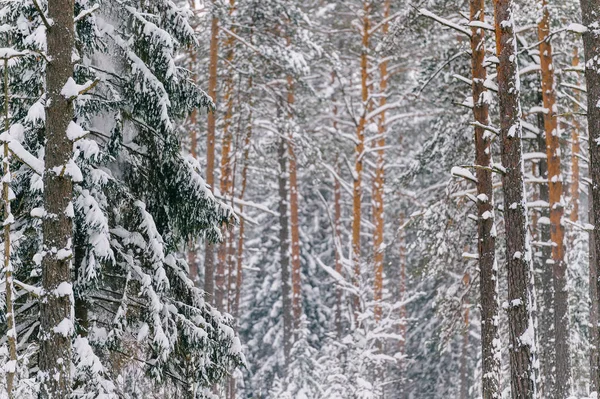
[
  {"x": 518, "y": 253},
  {"x": 590, "y": 11},
  {"x": 209, "y": 257},
  {"x": 284, "y": 248},
  {"x": 485, "y": 211},
  {"x": 561, "y": 300},
  {"x": 379, "y": 180},
  {"x": 56, "y": 304}
]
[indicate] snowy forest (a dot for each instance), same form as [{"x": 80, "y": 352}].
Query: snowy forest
[{"x": 284, "y": 199}]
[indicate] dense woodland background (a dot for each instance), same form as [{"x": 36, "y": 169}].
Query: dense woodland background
[{"x": 299, "y": 199}]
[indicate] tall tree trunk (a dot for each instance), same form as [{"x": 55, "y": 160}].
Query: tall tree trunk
[
  {"x": 11, "y": 330},
  {"x": 561, "y": 300},
  {"x": 593, "y": 292},
  {"x": 294, "y": 222},
  {"x": 518, "y": 254},
  {"x": 464, "y": 379},
  {"x": 209, "y": 256},
  {"x": 402, "y": 297},
  {"x": 191, "y": 255},
  {"x": 360, "y": 147},
  {"x": 225, "y": 183},
  {"x": 575, "y": 150},
  {"x": 590, "y": 10},
  {"x": 379, "y": 181},
  {"x": 546, "y": 320},
  {"x": 284, "y": 248},
  {"x": 490, "y": 382},
  {"x": 337, "y": 217},
  {"x": 56, "y": 306}
]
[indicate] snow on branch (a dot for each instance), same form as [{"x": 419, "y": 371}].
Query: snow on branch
[
  {"x": 443, "y": 21},
  {"x": 457, "y": 171}
]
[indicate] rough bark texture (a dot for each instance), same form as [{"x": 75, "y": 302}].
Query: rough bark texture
[
  {"x": 561, "y": 304},
  {"x": 518, "y": 254},
  {"x": 284, "y": 247},
  {"x": 294, "y": 222},
  {"x": 360, "y": 147},
  {"x": 546, "y": 280},
  {"x": 11, "y": 330},
  {"x": 485, "y": 209},
  {"x": 575, "y": 150},
  {"x": 57, "y": 227},
  {"x": 593, "y": 307},
  {"x": 209, "y": 256},
  {"x": 590, "y": 10},
  {"x": 379, "y": 182}
]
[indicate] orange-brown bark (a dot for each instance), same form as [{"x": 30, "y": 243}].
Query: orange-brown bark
[
  {"x": 561, "y": 320},
  {"x": 209, "y": 257},
  {"x": 379, "y": 182},
  {"x": 294, "y": 223},
  {"x": 360, "y": 147}
]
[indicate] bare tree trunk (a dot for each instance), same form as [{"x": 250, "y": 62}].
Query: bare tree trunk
[
  {"x": 464, "y": 379},
  {"x": 518, "y": 254},
  {"x": 561, "y": 299},
  {"x": 209, "y": 256},
  {"x": 191, "y": 255},
  {"x": 546, "y": 320},
  {"x": 490, "y": 382},
  {"x": 56, "y": 306},
  {"x": 337, "y": 198},
  {"x": 11, "y": 330},
  {"x": 590, "y": 10},
  {"x": 593, "y": 290},
  {"x": 575, "y": 151},
  {"x": 360, "y": 147},
  {"x": 379, "y": 182},
  {"x": 294, "y": 210},
  {"x": 284, "y": 247}
]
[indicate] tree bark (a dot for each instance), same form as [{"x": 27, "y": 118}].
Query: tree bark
[
  {"x": 518, "y": 253},
  {"x": 284, "y": 247},
  {"x": 575, "y": 150},
  {"x": 294, "y": 210},
  {"x": 490, "y": 382},
  {"x": 11, "y": 330},
  {"x": 360, "y": 147},
  {"x": 546, "y": 320},
  {"x": 209, "y": 256},
  {"x": 56, "y": 306},
  {"x": 590, "y": 10},
  {"x": 379, "y": 182},
  {"x": 561, "y": 299}
]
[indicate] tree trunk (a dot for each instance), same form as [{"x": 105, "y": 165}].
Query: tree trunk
[
  {"x": 360, "y": 147},
  {"x": 561, "y": 300},
  {"x": 284, "y": 247},
  {"x": 590, "y": 10},
  {"x": 464, "y": 379},
  {"x": 11, "y": 330},
  {"x": 518, "y": 253},
  {"x": 191, "y": 255},
  {"x": 294, "y": 225},
  {"x": 593, "y": 306},
  {"x": 546, "y": 320},
  {"x": 209, "y": 257},
  {"x": 575, "y": 150},
  {"x": 56, "y": 307},
  {"x": 337, "y": 217},
  {"x": 379, "y": 182},
  {"x": 490, "y": 382}
]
